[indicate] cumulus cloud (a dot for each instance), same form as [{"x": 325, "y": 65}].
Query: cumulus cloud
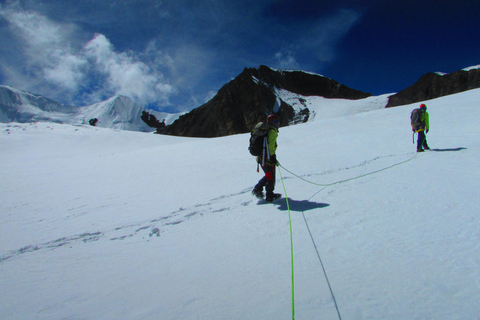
[
  {"x": 48, "y": 53},
  {"x": 54, "y": 56},
  {"x": 125, "y": 74},
  {"x": 168, "y": 54}
]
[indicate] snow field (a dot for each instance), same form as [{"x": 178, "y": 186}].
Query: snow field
[{"x": 81, "y": 207}]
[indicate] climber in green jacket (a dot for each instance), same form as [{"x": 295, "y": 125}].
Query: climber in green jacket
[
  {"x": 421, "y": 127},
  {"x": 268, "y": 163}
]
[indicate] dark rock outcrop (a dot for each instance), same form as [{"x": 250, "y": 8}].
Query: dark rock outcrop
[
  {"x": 247, "y": 99},
  {"x": 433, "y": 85}
]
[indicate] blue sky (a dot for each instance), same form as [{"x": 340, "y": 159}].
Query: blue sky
[{"x": 174, "y": 55}]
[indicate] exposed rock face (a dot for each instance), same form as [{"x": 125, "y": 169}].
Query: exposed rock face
[
  {"x": 247, "y": 99},
  {"x": 433, "y": 85}
]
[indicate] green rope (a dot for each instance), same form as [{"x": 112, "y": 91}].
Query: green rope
[
  {"x": 291, "y": 245},
  {"x": 290, "y": 220},
  {"x": 358, "y": 177}
]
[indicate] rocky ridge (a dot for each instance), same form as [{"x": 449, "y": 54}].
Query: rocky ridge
[
  {"x": 435, "y": 85},
  {"x": 252, "y": 95}
]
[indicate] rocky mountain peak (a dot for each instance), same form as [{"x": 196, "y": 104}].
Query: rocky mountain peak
[
  {"x": 251, "y": 96},
  {"x": 434, "y": 85}
]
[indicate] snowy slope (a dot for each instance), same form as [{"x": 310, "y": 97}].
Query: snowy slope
[
  {"x": 21, "y": 106},
  {"x": 103, "y": 224},
  {"x": 323, "y": 108},
  {"x": 118, "y": 112}
]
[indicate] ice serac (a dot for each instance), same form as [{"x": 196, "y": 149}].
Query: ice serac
[{"x": 245, "y": 100}]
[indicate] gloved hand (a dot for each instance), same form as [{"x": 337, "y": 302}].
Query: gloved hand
[
  {"x": 426, "y": 130},
  {"x": 273, "y": 160}
]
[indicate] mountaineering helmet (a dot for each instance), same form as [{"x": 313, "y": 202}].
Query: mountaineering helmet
[
  {"x": 423, "y": 106},
  {"x": 273, "y": 119}
]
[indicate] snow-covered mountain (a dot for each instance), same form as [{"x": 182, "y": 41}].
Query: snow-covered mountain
[
  {"x": 106, "y": 224},
  {"x": 118, "y": 112},
  {"x": 21, "y": 106},
  {"x": 238, "y": 106}
]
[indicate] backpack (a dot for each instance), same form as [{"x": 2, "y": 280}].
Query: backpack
[
  {"x": 416, "y": 116},
  {"x": 257, "y": 139}
]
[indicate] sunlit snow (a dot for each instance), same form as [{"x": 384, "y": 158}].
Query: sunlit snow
[{"x": 98, "y": 223}]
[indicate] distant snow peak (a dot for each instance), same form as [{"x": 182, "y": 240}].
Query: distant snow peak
[{"x": 118, "y": 112}]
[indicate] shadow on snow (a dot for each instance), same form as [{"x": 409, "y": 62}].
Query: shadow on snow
[
  {"x": 299, "y": 205},
  {"x": 450, "y": 149}
]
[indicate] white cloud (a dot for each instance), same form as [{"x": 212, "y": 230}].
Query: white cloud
[
  {"x": 125, "y": 74},
  {"x": 184, "y": 53},
  {"x": 324, "y": 36},
  {"x": 286, "y": 60},
  {"x": 54, "y": 56},
  {"x": 313, "y": 44},
  {"x": 66, "y": 72},
  {"x": 48, "y": 53}
]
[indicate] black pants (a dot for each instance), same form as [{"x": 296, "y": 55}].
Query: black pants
[
  {"x": 422, "y": 140},
  {"x": 268, "y": 181}
]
